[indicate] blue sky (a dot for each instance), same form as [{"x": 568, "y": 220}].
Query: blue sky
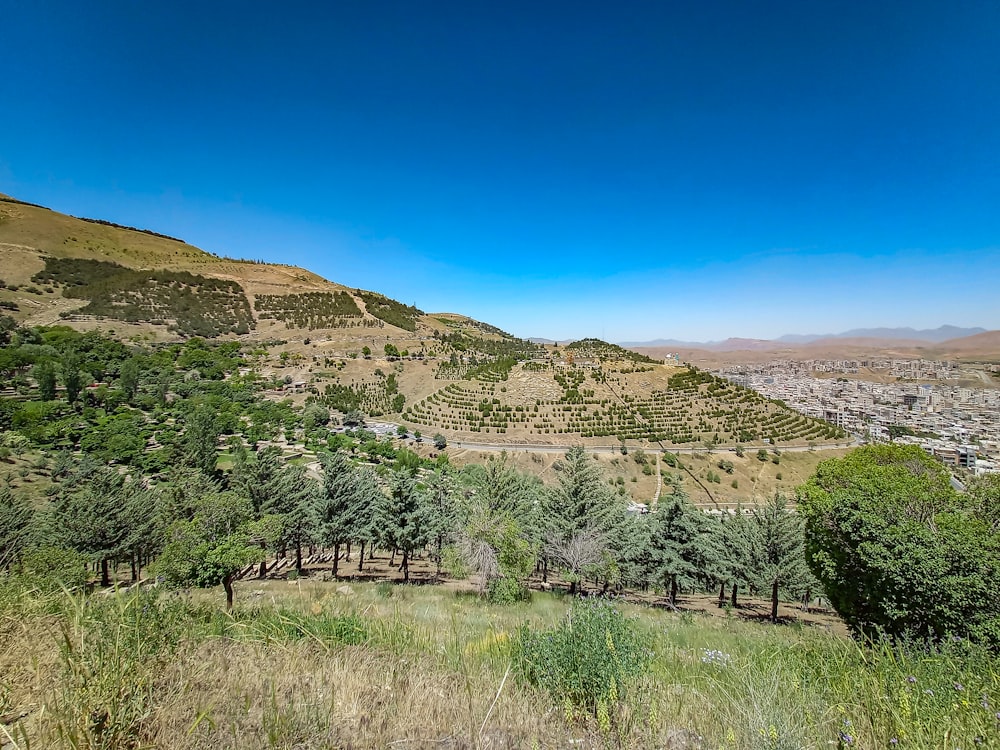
[{"x": 625, "y": 170}]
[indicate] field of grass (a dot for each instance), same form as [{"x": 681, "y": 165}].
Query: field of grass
[{"x": 312, "y": 665}]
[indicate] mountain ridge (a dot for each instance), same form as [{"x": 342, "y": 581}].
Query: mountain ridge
[{"x": 903, "y": 334}]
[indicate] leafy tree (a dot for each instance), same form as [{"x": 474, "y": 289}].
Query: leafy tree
[
  {"x": 440, "y": 441},
  {"x": 45, "y": 375},
  {"x": 898, "y": 551},
  {"x": 213, "y": 547},
  {"x": 499, "y": 535},
  {"x": 315, "y": 415},
  {"x": 72, "y": 377}
]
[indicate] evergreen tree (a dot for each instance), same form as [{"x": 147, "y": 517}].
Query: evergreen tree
[
  {"x": 345, "y": 505},
  {"x": 499, "y": 536},
  {"x": 684, "y": 549},
  {"x": 442, "y": 508},
  {"x": 777, "y": 550},
  {"x": 201, "y": 438},
  {"x": 15, "y": 521},
  {"x": 406, "y": 518},
  {"x": 72, "y": 377},
  {"x": 128, "y": 377},
  {"x": 581, "y": 518},
  {"x": 91, "y": 516}
]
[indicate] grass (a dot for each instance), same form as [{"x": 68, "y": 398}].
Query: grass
[{"x": 301, "y": 666}]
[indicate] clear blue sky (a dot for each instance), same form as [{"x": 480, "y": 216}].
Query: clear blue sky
[{"x": 628, "y": 170}]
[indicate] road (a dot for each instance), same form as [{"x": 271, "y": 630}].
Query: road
[{"x": 547, "y": 448}]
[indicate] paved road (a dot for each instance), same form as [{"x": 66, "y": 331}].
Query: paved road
[{"x": 546, "y": 448}]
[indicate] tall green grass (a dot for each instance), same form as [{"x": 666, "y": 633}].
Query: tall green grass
[{"x": 304, "y": 667}]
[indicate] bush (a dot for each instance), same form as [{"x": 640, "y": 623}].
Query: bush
[
  {"x": 589, "y": 660},
  {"x": 899, "y": 552}
]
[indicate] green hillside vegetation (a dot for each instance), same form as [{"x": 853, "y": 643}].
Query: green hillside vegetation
[
  {"x": 693, "y": 407},
  {"x": 602, "y": 350},
  {"x": 390, "y": 311},
  {"x": 311, "y": 310},
  {"x": 177, "y": 462},
  {"x": 191, "y": 305}
]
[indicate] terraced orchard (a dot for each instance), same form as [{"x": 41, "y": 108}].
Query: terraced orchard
[{"x": 626, "y": 401}]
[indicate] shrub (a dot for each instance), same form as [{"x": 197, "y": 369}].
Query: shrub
[
  {"x": 588, "y": 661},
  {"x": 899, "y": 552}
]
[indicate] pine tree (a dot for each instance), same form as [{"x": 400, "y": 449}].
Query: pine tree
[
  {"x": 15, "y": 521},
  {"x": 345, "y": 506},
  {"x": 406, "y": 518},
  {"x": 91, "y": 516},
  {"x": 777, "y": 547},
  {"x": 581, "y": 518},
  {"x": 684, "y": 547}
]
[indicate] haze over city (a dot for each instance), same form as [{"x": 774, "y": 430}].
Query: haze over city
[{"x": 565, "y": 170}]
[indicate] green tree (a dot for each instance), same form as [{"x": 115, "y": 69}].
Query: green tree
[
  {"x": 128, "y": 377},
  {"x": 683, "y": 547},
  {"x": 72, "y": 377},
  {"x": 406, "y": 522},
  {"x": 212, "y": 548},
  {"x": 345, "y": 508},
  {"x": 201, "y": 438},
  {"x": 45, "y": 375},
  {"x": 898, "y": 551},
  {"x": 499, "y": 534},
  {"x": 777, "y": 550},
  {"x": 15, "y": 522},
  {"x": 90, "y": 516},
  {"x": 581, "y": 516}
]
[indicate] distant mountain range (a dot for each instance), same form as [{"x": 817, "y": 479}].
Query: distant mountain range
[{"x": 933, "y": 335}]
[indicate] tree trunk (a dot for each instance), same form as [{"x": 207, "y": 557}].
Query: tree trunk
[
  {"x": 135, "y": 569},
  {"x": 392, "y": 559},
  {"x": 722, "y": 595},
  {"x": 347, "y": 557},
  {"x": 405, "y": 566},
  {"x": 298, "y": 556},
  {"x": 572, "y": 587},
  {"x": 732, "y": 599},
  {"x": 361, "y": 558},
  {"x": 673, "y": 591},
  {"x": 545, "y": 570},
  {"x": 774, "y": 601},
  {"x": 437, "y": 573},
  {"x": 336, "y": 558},
  {"x": 227, "y": 584},
  {"x": 105, "y": 576}
]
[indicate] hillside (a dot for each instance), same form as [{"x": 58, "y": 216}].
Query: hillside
[
  {"x": 91, "y": 273},
  {"x": 359, "y": 350}
]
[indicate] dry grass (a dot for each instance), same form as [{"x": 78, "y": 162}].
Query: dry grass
[{"x": 432, "y": 669}]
